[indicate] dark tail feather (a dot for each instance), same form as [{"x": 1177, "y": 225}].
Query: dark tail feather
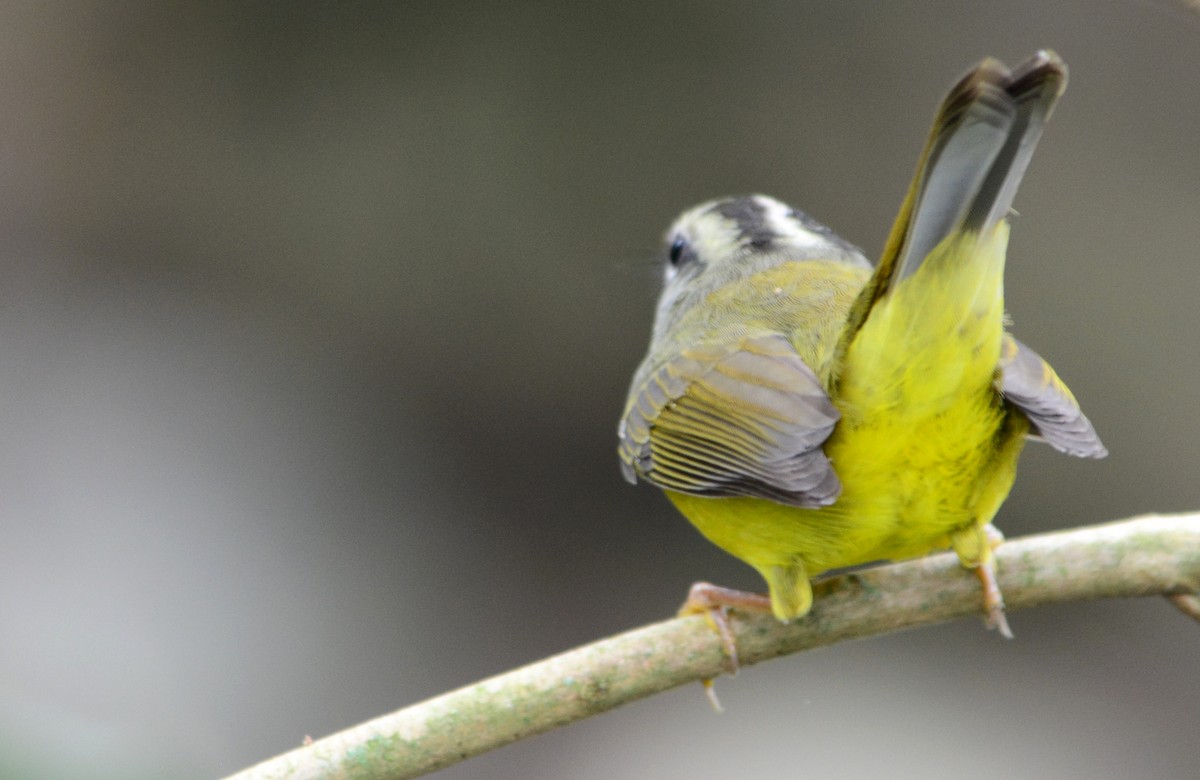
[{"x": 981, "y": 142}]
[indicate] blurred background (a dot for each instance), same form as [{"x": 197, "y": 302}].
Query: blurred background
[{"x": 316, "y": 321}]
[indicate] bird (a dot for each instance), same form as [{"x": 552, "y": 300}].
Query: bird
[{"x": 808, "y": 412}]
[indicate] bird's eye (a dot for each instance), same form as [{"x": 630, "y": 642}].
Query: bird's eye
[{"x": 677, "y": 247}]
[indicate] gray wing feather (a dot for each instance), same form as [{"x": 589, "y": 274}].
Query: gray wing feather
[
  {"x": 1029, "y": 383},
  {"x": 733, "y": 420}
]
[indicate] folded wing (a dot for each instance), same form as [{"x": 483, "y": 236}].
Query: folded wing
[
  {"x": 1029, "y": 383},
  {"x": 742, "y": 419}
]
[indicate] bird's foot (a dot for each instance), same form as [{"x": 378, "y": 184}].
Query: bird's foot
[
  {"x": 993, "y": 599},
  {"x": 974, "y": 545},
  {"x": 714, "y": 602}
]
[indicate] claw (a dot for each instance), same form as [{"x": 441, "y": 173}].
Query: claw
[
  {"x": 993, "y": 599},
  {"x": 710, "y": 690},
  {"x": 1187, "y": 603}
]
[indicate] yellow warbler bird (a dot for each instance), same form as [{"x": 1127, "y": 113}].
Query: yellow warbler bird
[{"x": 806, "y": 413}]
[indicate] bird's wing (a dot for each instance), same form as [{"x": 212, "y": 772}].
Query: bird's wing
[
  {"x": 741, "y": 419},
  {"x": 1029, "y": 383}
]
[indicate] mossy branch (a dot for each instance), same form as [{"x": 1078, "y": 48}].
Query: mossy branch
[{"x": 1153, "y": 555}]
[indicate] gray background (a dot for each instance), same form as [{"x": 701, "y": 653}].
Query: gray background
[{"x": 316, "y": 321}]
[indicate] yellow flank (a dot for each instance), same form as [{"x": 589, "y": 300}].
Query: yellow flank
[{"x": 925, "y": 449}]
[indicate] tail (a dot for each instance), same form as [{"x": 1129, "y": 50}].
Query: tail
[{"x": 982, "y": 140}]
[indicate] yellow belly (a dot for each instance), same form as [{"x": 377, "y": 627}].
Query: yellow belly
[{"x": 903, "y": 495}]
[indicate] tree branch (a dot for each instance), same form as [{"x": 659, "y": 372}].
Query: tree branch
[{"x": 1153, "y": 555}]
